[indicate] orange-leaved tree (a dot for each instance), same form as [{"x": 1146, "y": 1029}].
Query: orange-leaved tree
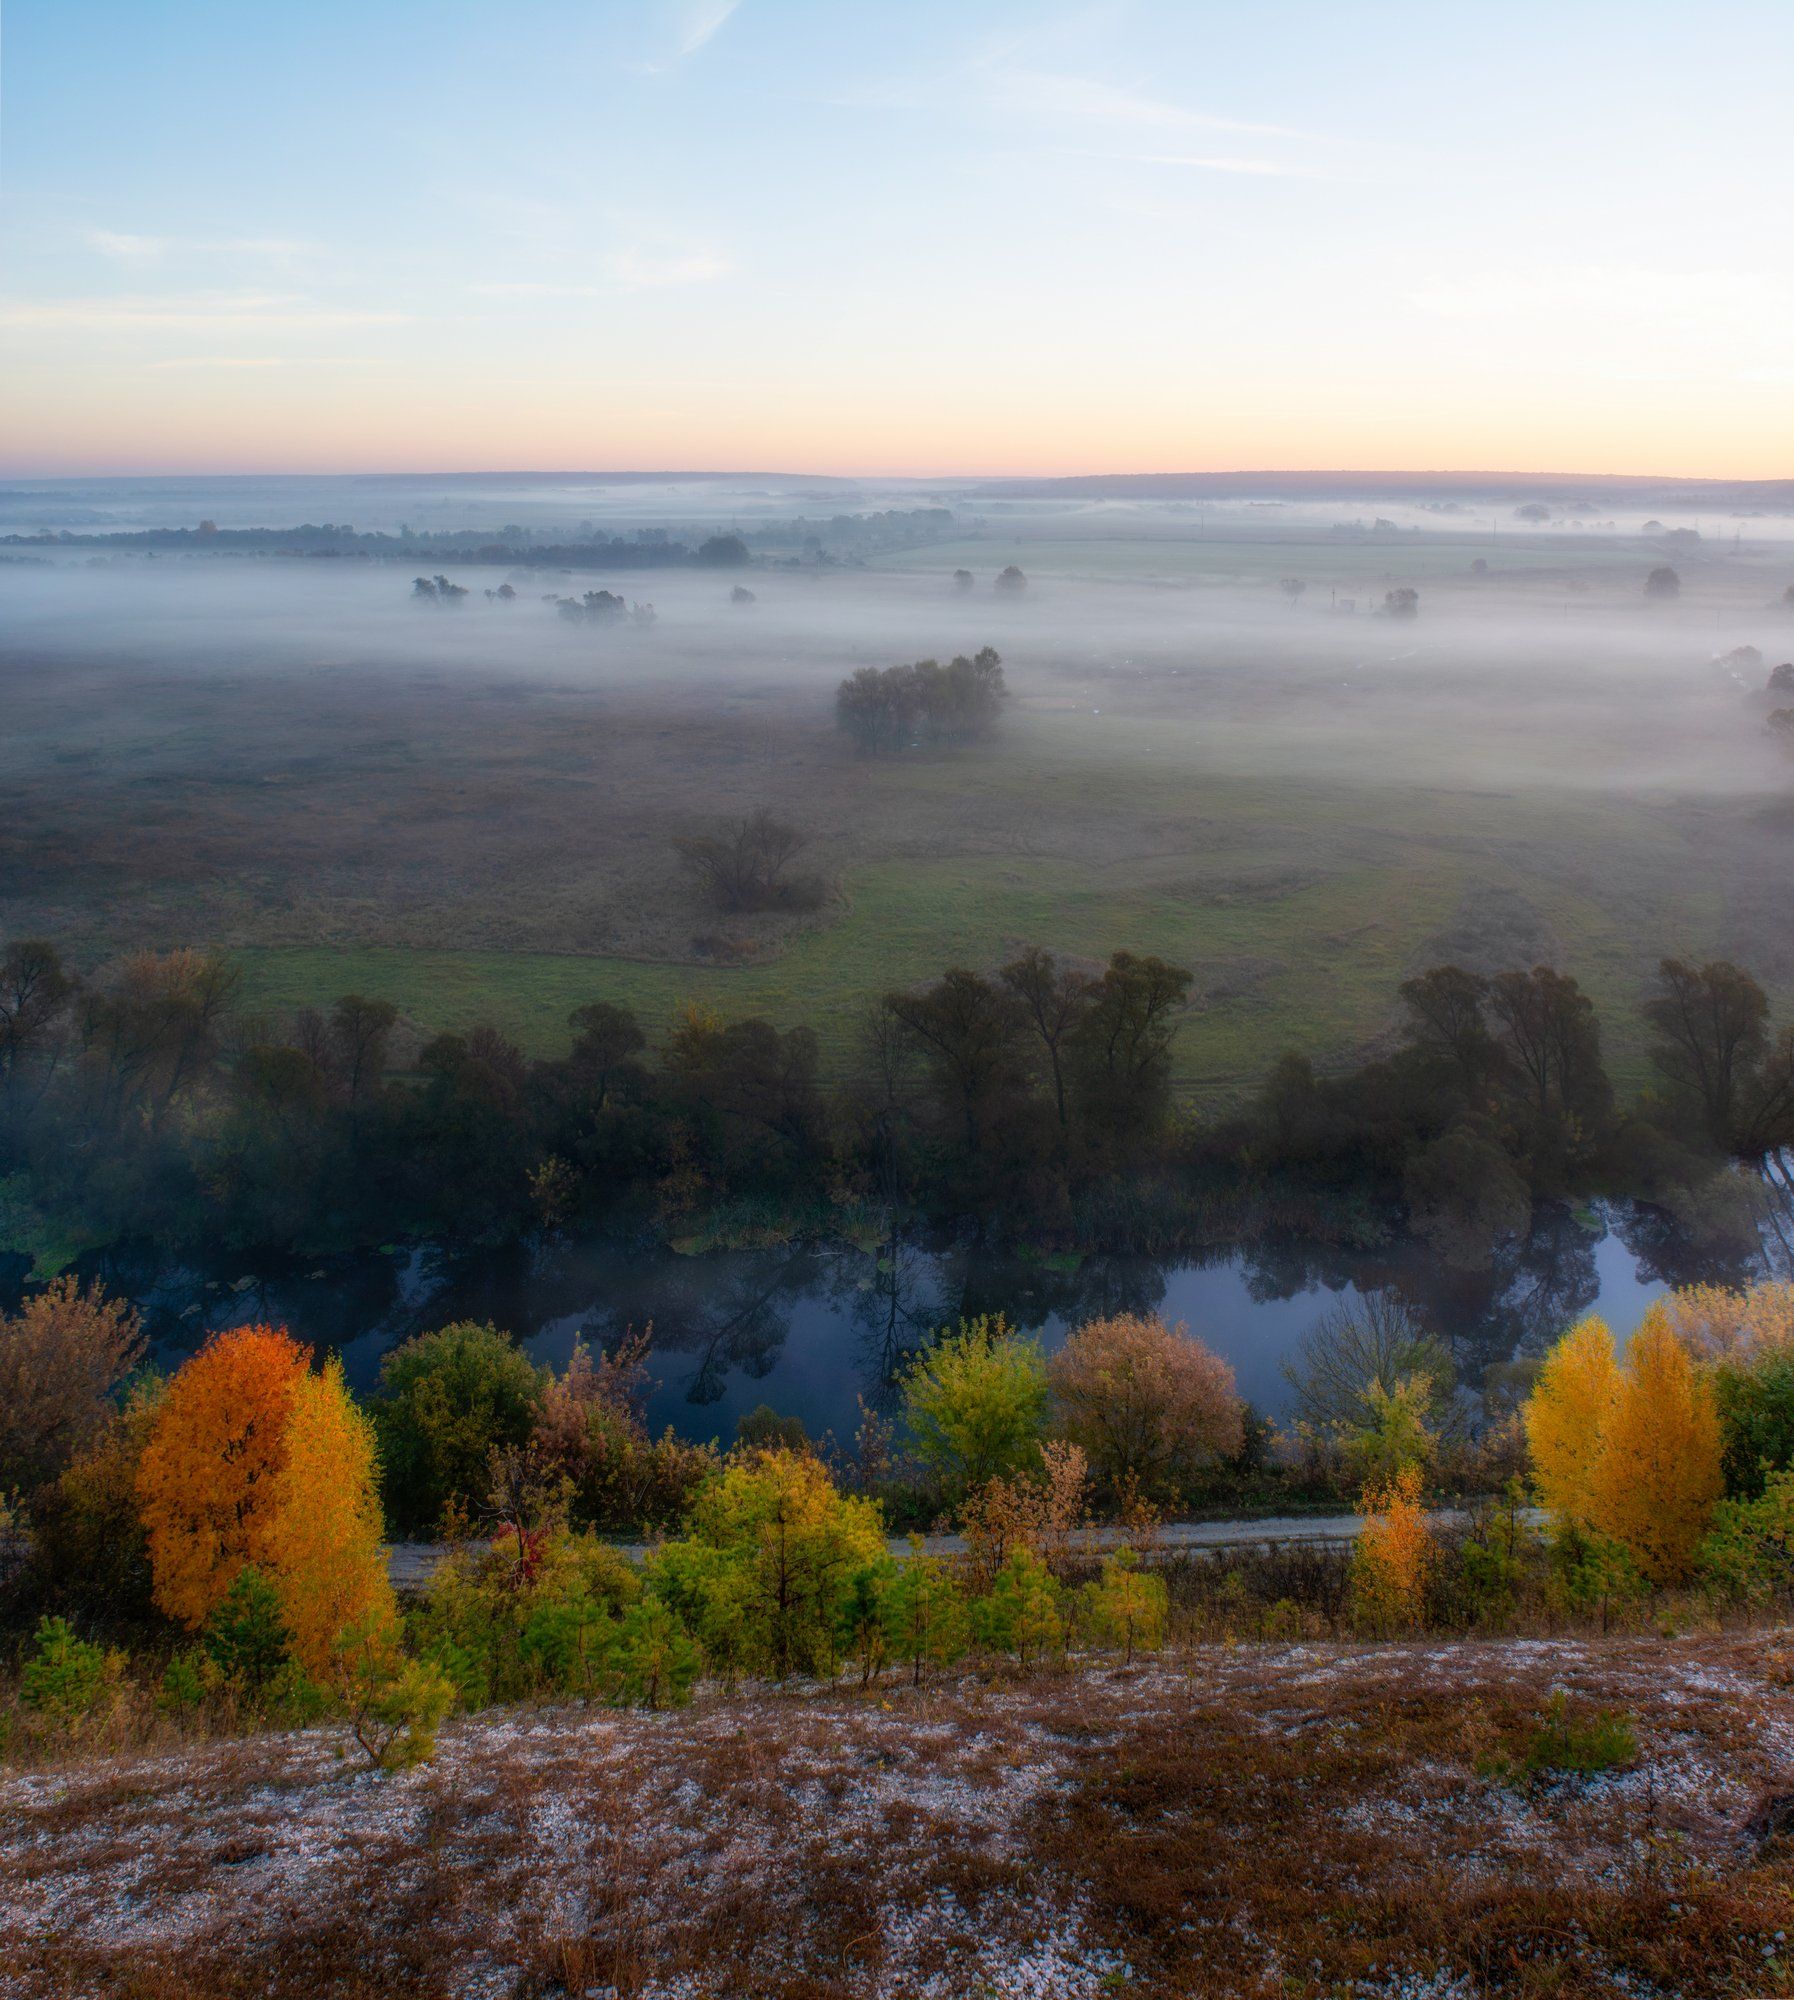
[
  {"x": 324, "y": 1540},
  {"x": 1659, "y": 1473},
  {"x": 1566, "y": 1419},
  {"x": 1394, "y": 1556},
  {"x": 209, "y": 1480}
]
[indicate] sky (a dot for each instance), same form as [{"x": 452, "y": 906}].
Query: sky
[{"x": 898, "y": 236}]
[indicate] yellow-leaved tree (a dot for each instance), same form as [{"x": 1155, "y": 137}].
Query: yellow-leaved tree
[
  {"x": 1659, "y": 1476},
  {"x": 325, "y": 1542},
  {"x": 1566, "y": 1419},
  {"x": 208, "y": 1480}
]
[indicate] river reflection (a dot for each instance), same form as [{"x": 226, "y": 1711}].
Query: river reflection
[{"x": 811, "y": 1330}]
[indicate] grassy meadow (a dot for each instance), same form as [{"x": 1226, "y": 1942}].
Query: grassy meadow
[{"x": 474, "y": 815}]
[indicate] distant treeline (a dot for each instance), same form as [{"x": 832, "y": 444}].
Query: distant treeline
[
  {"x": 645, "y": 548},
  {"x": 149, "y": 1106}
]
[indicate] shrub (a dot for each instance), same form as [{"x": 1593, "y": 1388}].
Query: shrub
[
  {"x": 1020, "y": 1612},
  {"x": 1565, "y": 1744},
  {"x": 1128, "y": 1607},
  {"x": 1394, "y": 1557},
  {"x": 89, "y": 1549},
  {"x": 976, "y": 1404},
  {"x": 500, "y": 1630},
  {"x": 656, "y": 1658},
  {"x": 1748, "y": 1552},
  {"x": 395, "y": 1704},
  {"x": 65, "y": 1678},
  {"x": 590, "y": 1426},
  {"x": 767, "y": 1564},
  {"x": 1754, "y": 1398},
  {"x": 183, "y": 1686},
  {"x": 1145, "y": 1403},
  {"x": 445, "y": 1400},
  {"x": 246, "y": 1638},
  {"x": 1039, "y": 1512},
  {"x": 923, "y": 1613}
]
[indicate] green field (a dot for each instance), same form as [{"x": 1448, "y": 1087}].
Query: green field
[{"x": 1300, "y": 909}]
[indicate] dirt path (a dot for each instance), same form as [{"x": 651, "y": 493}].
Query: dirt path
[{"x": 411, "y": 1563}]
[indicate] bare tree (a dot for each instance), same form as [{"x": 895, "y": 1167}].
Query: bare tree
[{"x": 743, "y": 868}]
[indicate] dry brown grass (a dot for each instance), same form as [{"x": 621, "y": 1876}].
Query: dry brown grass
[{"x": 1231, "y": 1820}]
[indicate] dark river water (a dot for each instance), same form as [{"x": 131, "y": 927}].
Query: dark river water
[{"x": 812, "y": 1329}]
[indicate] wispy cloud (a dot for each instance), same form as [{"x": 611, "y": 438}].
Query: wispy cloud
[
  {"x": 653, "y": 270},
  {"x": 270, "y": 361},
  {"x": 700, "y": 20},
  {"x": 639, "y": 268},
  {"x": 193, "y": 311},
  {"x": 1227, "y": 163},
  {"x": 1051, "y": 96},
  {"x": 124, "y": 247}
]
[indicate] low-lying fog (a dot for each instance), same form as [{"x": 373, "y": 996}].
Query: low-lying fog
[{"x": 1546, "y": 668}]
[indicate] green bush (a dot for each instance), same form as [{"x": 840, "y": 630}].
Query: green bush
[
  {"x": 1565, "y": 1744},
  {"x": 767, "y": 1565},
  {"x": 1020, "y": 1613},
  {"x": 1755, "y": 1397},
  {"x": 65, "y": 1678},
  {"x": 183, "y": 1686},
  {"x": 246, "y": 1637},
  {"x": 445, "y": 1400},
  {"x": 1748, "y": 1552},
  {"x": 657, "y": 1660},
  {"x": 924, "y": 1614},
  {"x": 496, "y": 1635}
]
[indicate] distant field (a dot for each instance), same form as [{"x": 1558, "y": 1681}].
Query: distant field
[{"x": 475, "y": 816}]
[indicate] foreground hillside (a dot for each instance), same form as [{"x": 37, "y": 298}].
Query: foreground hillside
[{"x": 1240, "y": 1820}]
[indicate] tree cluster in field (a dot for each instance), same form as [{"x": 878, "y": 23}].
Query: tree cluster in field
[
  {"x": 149, "y": 1106},
  {"x": 887, "y": 711}
]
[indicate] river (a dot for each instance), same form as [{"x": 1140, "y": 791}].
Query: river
[{"x": 811, "y": 1329}]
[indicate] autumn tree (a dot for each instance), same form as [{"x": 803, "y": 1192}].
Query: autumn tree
[
  {"x": 1659, "y": 1475},
  {"x": 1146, "y": 1402},
  {"x": 209, "y": 1481},
  {"x": 1634, "y": 1453},
  {"x": 62, "y": 1354},
  {"x": 1566, "y": 1419},
  {"x": 326, "y": 1547}
]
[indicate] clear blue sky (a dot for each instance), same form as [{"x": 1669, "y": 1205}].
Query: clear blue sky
[{"x": 907, "y": 237}]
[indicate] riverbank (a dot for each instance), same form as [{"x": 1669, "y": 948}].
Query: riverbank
[{"x": 1246, "y": 1820}]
